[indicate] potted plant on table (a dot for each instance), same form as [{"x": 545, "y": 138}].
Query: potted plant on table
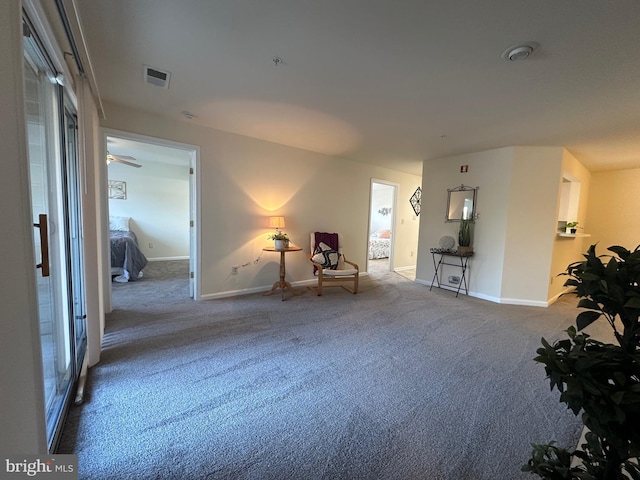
[
  {"x": 601, "y": 380},
  {"x": 280, "y": 240},
  {"x": 464, "y": 237},
  {"x": 572, "y": 227}
]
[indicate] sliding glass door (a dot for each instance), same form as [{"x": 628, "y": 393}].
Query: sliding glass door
[
  {"x": 73, "y": 194},
  {"x": 55, "y": 205}
]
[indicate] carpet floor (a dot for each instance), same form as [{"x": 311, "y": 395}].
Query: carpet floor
[{"x": 396, "y": 382}]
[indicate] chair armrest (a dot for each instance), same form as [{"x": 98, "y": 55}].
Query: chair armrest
[
  {"x": 317, "y": 265},
  {"x": 354, "y": 265}
]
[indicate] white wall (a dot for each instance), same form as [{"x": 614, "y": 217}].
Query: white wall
[
  {"x": 244, "y": 180},
  {"x": 612, "y": 214},
  {"x": 22, "y": 398},
  {"x": 158, "y": 204},
  {"x": 491, "y": 172},
  {"x": 531, "y": 224},
  {"x": 514, "y": 236},
  {"x": 382, "y": 197},
  {"x": 569, "y": 250}
]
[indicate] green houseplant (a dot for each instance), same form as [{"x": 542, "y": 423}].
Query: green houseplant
[
  {"x": 599, "y": 380},
  {"x": 464, "y": 236},
  {"x": 572, "y": 227},
  {"x": 281, "y": 240}
]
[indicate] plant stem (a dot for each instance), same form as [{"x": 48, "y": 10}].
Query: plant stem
[{"x": 613, "y": 464}]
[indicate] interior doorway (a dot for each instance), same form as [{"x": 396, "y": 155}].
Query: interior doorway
[
  {"x": 152, "y": 191},
  {"x": 382, "y": 209}
]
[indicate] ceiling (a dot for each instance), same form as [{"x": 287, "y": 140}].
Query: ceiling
[
  {"x": 146, "y": 153},
  {"x": 379, "y": 81}
]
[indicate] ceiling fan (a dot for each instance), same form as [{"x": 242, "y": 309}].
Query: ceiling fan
[{"x": 124, "y": 159}]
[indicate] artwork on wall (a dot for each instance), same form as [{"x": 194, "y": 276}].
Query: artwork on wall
[
  {"x": 117, "y": 190},
  {"x": 415, "y": 200}
]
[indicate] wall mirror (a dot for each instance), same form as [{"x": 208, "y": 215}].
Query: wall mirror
[{"x": 461, "y": 203}]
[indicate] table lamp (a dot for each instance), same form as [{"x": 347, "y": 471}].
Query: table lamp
[{"x": 276, "y": 222}]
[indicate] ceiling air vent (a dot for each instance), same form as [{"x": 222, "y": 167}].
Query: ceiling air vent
[{"x": 156, "y": 77}]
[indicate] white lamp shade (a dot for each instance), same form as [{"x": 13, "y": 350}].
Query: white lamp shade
[{"x": 276, "y": 222}]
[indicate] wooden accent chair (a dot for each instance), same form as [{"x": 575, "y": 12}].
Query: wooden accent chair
[{"x": 330, "y": 265}]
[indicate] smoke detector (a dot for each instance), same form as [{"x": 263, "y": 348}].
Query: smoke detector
[{"x": 519, "y": 51}]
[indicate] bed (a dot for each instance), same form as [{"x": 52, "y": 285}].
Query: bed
[
  {"x": 380, "y": 244},
  {"x": 127, "y": 260}
]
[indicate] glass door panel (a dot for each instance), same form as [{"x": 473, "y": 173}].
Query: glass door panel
[
  {"x": 50, "y": 232},
  {"x": 74, "y": 190}
]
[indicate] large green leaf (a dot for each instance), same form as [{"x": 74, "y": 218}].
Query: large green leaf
[
  {"x": 633, "y": 302},
  {"x": 588, "y": 303},
  {"x": 622, "y": 252},
  {"x": 586, "y": 318},
  {"x": 589, "y": 276}
]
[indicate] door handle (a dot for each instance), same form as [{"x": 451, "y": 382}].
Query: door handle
[{"x": 44, "y": 244}]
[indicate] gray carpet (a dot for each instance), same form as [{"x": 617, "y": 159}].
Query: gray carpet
[{"x": 396, "y": 382}]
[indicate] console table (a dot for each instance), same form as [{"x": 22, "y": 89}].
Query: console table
[{"x": 452, "y": 259}]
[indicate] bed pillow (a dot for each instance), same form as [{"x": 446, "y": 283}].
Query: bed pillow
[
  {"x": 384, "y": 234},
  {"x": 119, "y": 224},
  {"x": 326, "y": 256}
]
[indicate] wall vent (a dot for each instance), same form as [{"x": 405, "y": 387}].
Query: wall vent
[{"x": 156, "y": 77}]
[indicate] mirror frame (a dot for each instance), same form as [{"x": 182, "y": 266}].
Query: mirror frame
[{"x": 461, "y": 188}]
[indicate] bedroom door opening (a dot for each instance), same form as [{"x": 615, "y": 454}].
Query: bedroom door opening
[
  {"x": 382, "y": 208},
  {"x": 154, "y": 192}
]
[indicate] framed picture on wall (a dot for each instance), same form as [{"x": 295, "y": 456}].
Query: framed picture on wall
[
  {"x": 415, "y": 200},
  {"x": 117, "y": 190}
]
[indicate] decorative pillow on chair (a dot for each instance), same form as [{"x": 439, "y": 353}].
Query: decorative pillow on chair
[{"x": 325, "y": 256}]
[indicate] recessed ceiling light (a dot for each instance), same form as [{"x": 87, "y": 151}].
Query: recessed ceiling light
[
  {"x": 519, "y": 51},
  {"x": 189, "y": 115}
]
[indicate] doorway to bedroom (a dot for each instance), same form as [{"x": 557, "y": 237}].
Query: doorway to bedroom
[
  {"x": 151, "y": 190},
  {"x": 382, "y": 208}
]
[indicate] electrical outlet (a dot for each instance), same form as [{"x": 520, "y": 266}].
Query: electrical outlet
[
  {"x": 412, "y": 253},
  {"x": 150, "y": 245},
  {"x": 234, "y": 269}
]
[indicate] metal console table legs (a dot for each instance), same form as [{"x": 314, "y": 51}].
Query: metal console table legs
[{"x": 463, "y": 261}]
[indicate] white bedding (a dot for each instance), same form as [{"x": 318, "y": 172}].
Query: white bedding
[{"x": 379, "y": 247}]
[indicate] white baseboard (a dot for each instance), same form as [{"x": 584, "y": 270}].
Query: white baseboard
[
  {"x": 556, "y": 297},
  {"x": 526, "y": 303},
  {"x": 161, "y": 259},
  {"x": 265, "y": 288},
  {"x": 234, "y": 293},
  {"x": 402, "y": 269},
  {"x": 489, "y": 298}
]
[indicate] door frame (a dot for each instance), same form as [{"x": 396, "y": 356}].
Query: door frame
[
  {"x": 194, "y": 206},
  {"x": 62, "y": 184},
  {"x": 394, "y": 208}
]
